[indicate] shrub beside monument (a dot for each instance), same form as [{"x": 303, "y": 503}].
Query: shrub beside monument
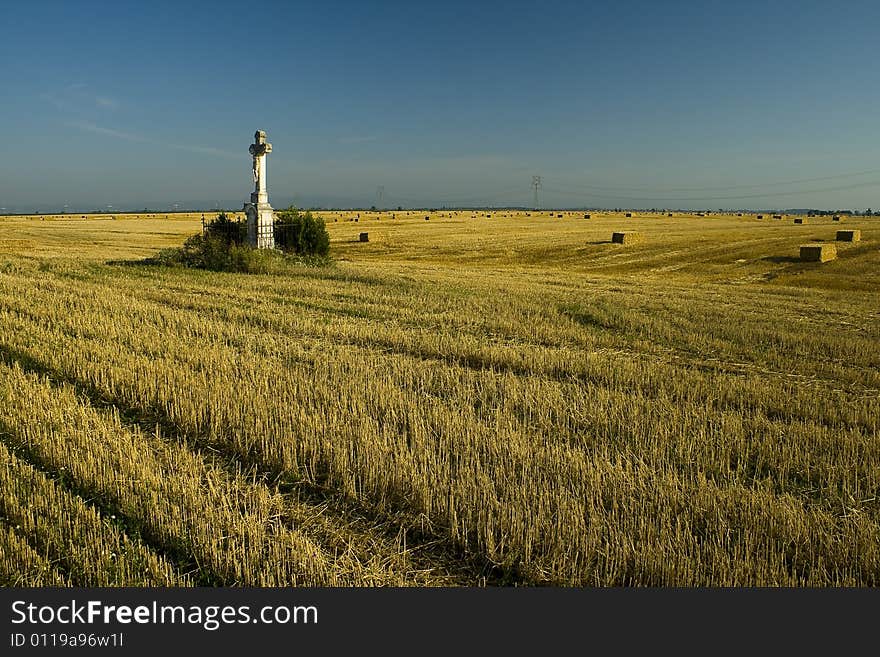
[{"x": 223, "y": 245}]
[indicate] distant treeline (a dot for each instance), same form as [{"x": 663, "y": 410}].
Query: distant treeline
[{"x": 515, "y": 208}]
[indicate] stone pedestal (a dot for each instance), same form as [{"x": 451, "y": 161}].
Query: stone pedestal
[{"x": 260, "y": 223}]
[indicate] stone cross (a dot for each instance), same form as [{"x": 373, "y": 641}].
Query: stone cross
[
  {"x": 260, "y": 218},
  {"x": 259, "y": 149}
]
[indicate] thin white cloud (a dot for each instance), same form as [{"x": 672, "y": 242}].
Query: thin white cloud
[
  {"x": 357, "y": 140},
  {"x": 106, "y": 102},
  {"x": 57, "y": 102},
  {"x": 79, "y": 104},
  {"x": 76, "y": 99},
  {"x": 109, "y": 132},
  {"x": 128, "y": 136},
  {"x": 207, "y": 150}
]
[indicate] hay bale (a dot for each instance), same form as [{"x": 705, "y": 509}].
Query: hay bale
[
  {"x": 800, "y": 220},
  {"x": 669, "y": 214},
  {"x": 629, "y": 214},
  {"x": 777, "y": 216},
  {"x": 739, "y": 214},
  {"x": 849, "y": 235},
  {"x": 587, "y": 216},
  {"x": 364, "y": 237},
  {"x": 427, "y": 218},
  {"x": 837, "y": 217},
  {"x": 626, "y": 237},
  {"x": 760, "y": 216},
  {"x": 818, "y": 252}
]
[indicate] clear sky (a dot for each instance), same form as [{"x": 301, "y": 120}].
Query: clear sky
[{"x": 630, "y": 103}]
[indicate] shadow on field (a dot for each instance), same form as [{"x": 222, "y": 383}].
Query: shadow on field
[
  {"x": 144, "y": 262},
  {"x": 782, "y": 260},
  {"x": 435, "y": 550}
]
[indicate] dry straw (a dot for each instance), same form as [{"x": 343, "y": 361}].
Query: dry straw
[
  {"x": 626, "y": 237},
  {"x": 849, "y": 235},
  {"x": 818, "y": 252}
]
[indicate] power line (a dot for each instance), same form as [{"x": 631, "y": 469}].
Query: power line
[
  {"x": 537, "y": 183},
  {"x": 471, "y": 199},
  {"x": 713, "y": 198},
  {"x": 777, "y": 183}
]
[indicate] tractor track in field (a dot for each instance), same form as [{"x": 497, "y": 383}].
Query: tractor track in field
[
  {"x": 334, "y": 522},
  {"x": 182, "y": 565},
  {"x": 481, "y": 362}
]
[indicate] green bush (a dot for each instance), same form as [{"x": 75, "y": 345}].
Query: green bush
[
  {"x": 301, "y": 233},
  {"x": 300, "y": 240},
  {"x": 213, "y": 253},
  {"x": 227, "y": 230}
]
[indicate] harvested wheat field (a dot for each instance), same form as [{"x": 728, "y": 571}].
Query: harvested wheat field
[{"x": 469, "y": 400}]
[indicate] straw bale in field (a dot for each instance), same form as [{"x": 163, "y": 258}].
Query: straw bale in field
[
  {"x": 626, "y": 237},
  {"x": 849, "y": 235},
  {"x": 818, "y": 252}
]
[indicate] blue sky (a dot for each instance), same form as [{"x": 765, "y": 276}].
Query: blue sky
[{"x": 626, "y": 103}]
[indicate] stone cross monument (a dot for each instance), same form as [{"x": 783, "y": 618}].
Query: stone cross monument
[{"x": 260, "y": 220}]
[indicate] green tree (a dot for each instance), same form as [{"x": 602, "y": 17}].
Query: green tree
[
  {"x": 301, "y": 233},
  {"x": 227, "y": 230}
]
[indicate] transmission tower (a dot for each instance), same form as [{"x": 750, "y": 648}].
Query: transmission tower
[
  {"x": 380, "y": 192},
  {"x": 537, "y": 183}
]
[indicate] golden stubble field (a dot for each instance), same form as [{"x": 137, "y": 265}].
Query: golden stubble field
[{"x": 508, "y": 399}]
